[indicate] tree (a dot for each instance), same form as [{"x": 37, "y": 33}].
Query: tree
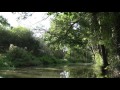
[
  {"x": 4, "y": 22},
  {"x": 23, "y": 37},
  {"x": 4, "y": 33},
  {"x": 96, "y": 30}
]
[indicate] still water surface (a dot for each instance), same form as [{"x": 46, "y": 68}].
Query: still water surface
[{"x": 67, "y": 71}]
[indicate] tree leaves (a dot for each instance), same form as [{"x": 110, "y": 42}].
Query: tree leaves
[{"x": 4, "y": 22}]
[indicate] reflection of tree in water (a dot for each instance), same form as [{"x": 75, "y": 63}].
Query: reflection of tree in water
[
  {"x": 78, "y": 71},
  {"x": 65, "y": 73},
  {"x": 82, "y": 72}
]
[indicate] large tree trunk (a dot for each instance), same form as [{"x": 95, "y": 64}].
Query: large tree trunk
[{"x": 104, "y": 54}]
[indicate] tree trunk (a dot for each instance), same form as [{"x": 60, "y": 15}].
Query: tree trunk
[
  {"x": 93, "y": 52},
  {"x": 102, "y": 50},
  {"x": 117, "y": 31},
  {"x": 105, "y": 60}
]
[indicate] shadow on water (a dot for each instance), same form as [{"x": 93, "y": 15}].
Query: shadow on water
[{"x": 68, "y": 71}]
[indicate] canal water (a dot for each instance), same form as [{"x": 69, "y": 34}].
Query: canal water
[{"x": 67, "y": 71}]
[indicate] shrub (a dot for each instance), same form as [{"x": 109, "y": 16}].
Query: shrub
[
  {"x": 5, "y": 63},
  {"x": 50, "y": 60},
  {"x": 21, "y": 57}
]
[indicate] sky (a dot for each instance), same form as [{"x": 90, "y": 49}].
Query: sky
[{"x": 35, "y": 20}]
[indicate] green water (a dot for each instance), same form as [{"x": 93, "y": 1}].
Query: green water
[{"x": 75, "y": 71}]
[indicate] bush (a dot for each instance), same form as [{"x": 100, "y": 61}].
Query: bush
[
  {"x": 72, "y": 60},
  {"x": 5, "y": 63},
  {"x": 46, "y": 60},
  {"x": 21, "y": 57},
  {"x": 50, "y": 60}
]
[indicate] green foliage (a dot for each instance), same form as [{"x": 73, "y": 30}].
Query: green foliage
[
  {"x": 19, "y": 36},
  {"x": 28, "y": 50},
  {"x": 70, "y": 29},
  {"x": 82, "y": 33},
  {"x": 51, "y": 60},
  {"x": 62, "y": 30},
  {"x": 5, "y": 38},
  {"x": 78, "y": 55},
  {"x": 97, "y": 66},
  {"x": 24, "y": 38},
  {"x": 5, "y": 63},
  {"x": 20, "y": 57},
  {"x": 59, "y": 54},
  {"x": 47, "y": 60},
  {"x": 86, "y": 29},
  {"x": 4, "y": 22}
]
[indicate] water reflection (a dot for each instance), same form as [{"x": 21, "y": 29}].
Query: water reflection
[
  {"x": 64, "y": 74},
  {"x": 68, "y": 71}
]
